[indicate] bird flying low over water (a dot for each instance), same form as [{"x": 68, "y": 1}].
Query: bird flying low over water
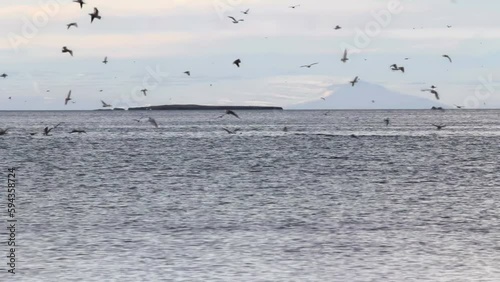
[
  {"x": 458, "y": 107},
  {"x": 3, "y": 131},
  {"x": 72, "y": 24},
  {"x": 354, "y": 81},
  {"x": 229, "y": 112},
  {"x": 79, "y": 2},
  {"x": 94, "y": 15},
  {"x": 237, "y": 62},
  {"x": 235, "y": 20},
  {"x": 309, "y": 66},
  {"x": 231, "y": 131},
  {"x": 66, "y": 50},
  {"x": 153, "y": 122},
  {"x": 68, "y": 98},
  {"x": 105, "y": 105},
  {"x": 344, "y": 57},
  {"x": 439, "y": 126},
  {"x": 105, "y": 60},
  {"x": 144, "y": 91},
  {"x": 47, "y": 130},
  {"x": 433, "y": 92},
  {"x": 78, "y": 131},
  {"x": 448, "y": 57},
  {"x": 387, "y": 121}
]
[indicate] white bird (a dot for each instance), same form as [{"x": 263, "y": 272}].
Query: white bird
[
  {"x": 153, "y": 122},
  {"x": 68, "y": 98},
  {"x": 104, "y": 105},
  {"x": 344, "y": 58}
]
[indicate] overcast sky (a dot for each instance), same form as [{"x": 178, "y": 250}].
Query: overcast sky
[{"x": 150, "y": 43}]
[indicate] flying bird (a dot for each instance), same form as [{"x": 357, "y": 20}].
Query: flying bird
[
  {"x": 337, "y": 27},
  {"x": 356, "y": 80},
  {"x": 144, "y": 91},
  {"x": 105, "y": 60},
  {"x": 4, "y": 75},
  {"x": 323, "y": 98},
  {"x": 78, "y": 131},
  {"x": 72, "y": 24},
  {"x": 433, "y": 87},
  {"x": 153, "y": 122},
  {"x": 309, "y": 66},
  {"x": 66, "y": 50},
  {"x": 47, "y": 130},
  {"x": 105, "y": 105},
  {"x": 94, "y": 15},
  {"x": 235, "y": 21},
  {"x": 433, "y": 92},
  {"x": 344, "y": 58},
  {"x": 459, "y": 107},
  {"x": 229, "y": 112},
  {"x": 293, "y": 7},
  {"x": 439, "y": 126},
  {"x": 79, "y": 2},
  {"x": 3, "y": 131},
  {"x": 231, "y": 131},
  {"x": 246, "y": 12},
  {"x": 68, "y": 98},
  {"x": 395, "y": 67},
  {"x": 387, "y": 121},
  {"x": 237, "y": 62},
  {"x": 188, "y": 73},
  {"x": 448, "y": 57}
]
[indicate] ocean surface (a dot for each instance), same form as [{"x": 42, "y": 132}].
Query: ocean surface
[{"x": 189, "y": 202}]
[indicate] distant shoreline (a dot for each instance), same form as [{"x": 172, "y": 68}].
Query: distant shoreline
[{"x": 200, "y": 107}]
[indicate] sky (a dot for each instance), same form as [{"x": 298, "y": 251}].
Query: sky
[{"x": 150, "y": 43}]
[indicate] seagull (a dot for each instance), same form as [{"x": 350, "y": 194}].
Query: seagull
[
  {"x": 354, "y": 136},
  {"x": 395, "y": 67},
  {"x": 72, "y": 24},
  {"x": 356, "y": 80},
  {"x": 344, "y": 58},
  {"x": 309, "y": 66},
  {"x": 10, "y": 98},
  {"x": 237, "y": 62},
  {"x": 78, "y": 131},
  {"x": 293, "y": 7},
  {"x": 231, "y": 131},
  {"x": 449, "y": 26},
  {"x": 79, "y": 2},
  {"x": 439, "y": 127},
  {"x": 105, "y": 60},
  {"x": 246, "y": 12},
  {"x": 104, "y": 105},
  {"x": 4, "y": 75},
  {"x": 448, "y": 57},
  {"x": 66, "y": 50},
  {"x": 337, "y": 27},
  {"x": 323, "y": 98},
  {"x": 229, "y": 112},
  {"x": 433, "y": 87},
  {"x": 188, "y": 73},
  {"x": 153, "y": 122},
  {"x": 458, "y": 107},
  {"x": 235, "y": 21},
  {"x": 47, "y": 130},
  {"x": 68, "y": 98},
  {"x": 3, "y": 131},
  {"x": 433, "y": 92},
  {"x": 144, "y": 91},
  {"x": 94, "y": 15},
  {"x": 387, "y": 121}
]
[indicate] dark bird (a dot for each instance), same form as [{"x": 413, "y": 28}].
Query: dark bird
[
  {"x": 433, "y": 92},
  {"x": 235, "y": 21},
  {"x": 395, "y": 67},
  {"x": 433, "y": 87},
  {"x": 94, "y": 15},
  {"x": 78, "y": 131},
  {"x": 66, "y": 50},
  {"x": 79, "y": 2},
  {"x": 68, "y": 98},
  {"x": 293, "y": 7},
  {"x": 4, "y": 75},
  {"x": 231, "y": 131},
  {"x": 309, "y": 66},
  {"x": 105, "y": 60},
  {"x": 153, "y": 122},
  {"x": 356, "y": 80},
  {"x": 72, "y": 24},
  {"x": 323, "y": 98},
  {"x": 448, "y": 57},
  {"x": 105, "y": 105},
  {"x": 144, "y": 91},
  {"x": 285, "y": 129},
  {"x": 459, "y": 107},
  {"x": 3, "y": 131},
  {"x": 449, "y": 26},
  {"x": 47, "y": 130},
  {"x": 237, "y": 62},
  {"x": 188, "y": 73},
  {"x": 439, "y": 126},
  {"x": 387, "y": 121},
  {"x": 229, "y": 112},
  {"x": 246, "y": 12},
  {"x": 344, "y": 57},
  {"x": 337, "y": 27},
  {"x": 354, "y": 136},
  {"x": 10, "y": 98}
]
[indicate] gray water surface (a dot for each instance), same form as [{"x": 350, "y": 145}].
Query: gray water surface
[{"x": 189, "y": 202}]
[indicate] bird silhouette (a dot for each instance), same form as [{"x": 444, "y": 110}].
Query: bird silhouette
[
  {"x": 68, "y": 98},
  {"x": 237, "y": 62},
  {"x": 354, "y": 81},
  {"x": 66, "y": 50},
  {"x": 79, "y": 2},
  {"x": 448, "y": 57},
  {"x": 94, "y": 15},
  {"x": 72, "y": 24}
]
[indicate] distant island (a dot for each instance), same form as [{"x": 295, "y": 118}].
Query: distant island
[{"x": 202, "y": 107}]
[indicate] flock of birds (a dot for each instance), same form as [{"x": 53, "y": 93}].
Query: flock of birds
[{"x": 96, "y": 15}]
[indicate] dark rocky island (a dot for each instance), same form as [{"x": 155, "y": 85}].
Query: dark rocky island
[{"x": 201, "y": 107}]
